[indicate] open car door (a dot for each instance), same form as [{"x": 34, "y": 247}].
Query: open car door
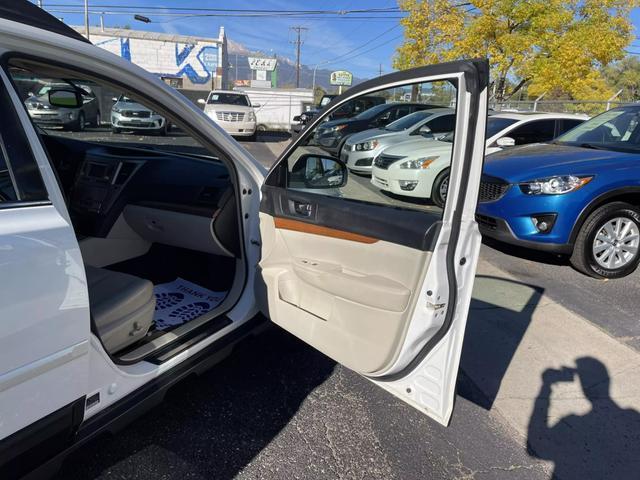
[{"x": 367, "y": 269}]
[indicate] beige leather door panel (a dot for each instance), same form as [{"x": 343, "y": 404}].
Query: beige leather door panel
[{"x": 329, "y": 292}]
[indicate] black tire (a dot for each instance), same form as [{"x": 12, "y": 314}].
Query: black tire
[
  {"x": 96, "y": 121},
  {"x": 80, "y": 123},
  {"x": 163, "y": 131},
  {"x": 115, "y": 130},
  {"x": 341, "y": 145},
  {"x": 437, "y": 196},
  {"x": 583, "y": 257}
]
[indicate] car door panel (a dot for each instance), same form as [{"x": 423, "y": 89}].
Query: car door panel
[{"x": 381, "y": 289}]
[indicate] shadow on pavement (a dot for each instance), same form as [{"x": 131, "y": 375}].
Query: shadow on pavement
[
  {"x": 499, "y": 316},
  {"x": 211, "y": 426},
  {"x": 601, "y": 444},
  {"x": 526, "y": 253}
]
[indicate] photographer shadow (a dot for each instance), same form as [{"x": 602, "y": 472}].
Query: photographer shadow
[{"x": 603, "y": 443}]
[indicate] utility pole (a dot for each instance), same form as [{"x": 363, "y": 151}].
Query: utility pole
[
  {"x": 298, "y": 42},
  {"x": 380, "y": 71},
  {"x": 40, "y": 3},
  {"x": 86, "y": 18}
]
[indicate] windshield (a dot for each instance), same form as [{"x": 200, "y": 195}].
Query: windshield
[
  {"x": 228, "y": 99},
  {"x": 616, "y": 129},
  {"x": 372, "y": 112},
  {"x": 497, "y": 124},
  {"x": 408, "y": 121}
]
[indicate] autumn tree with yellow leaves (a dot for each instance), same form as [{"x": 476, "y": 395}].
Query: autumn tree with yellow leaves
[{"x": 557, "y": 47}]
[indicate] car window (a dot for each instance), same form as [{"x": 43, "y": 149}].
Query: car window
[
  {"x": 497, "y": 124},
  {"x": 617, "y": 128},
  {"x": 20, "y": 179},
  {"x": 228, "y": 99},
  {"x": 566, "y": 124},
  {"x": 535, "y": 131},
  {"x": 442, "y": 124},
  {"x": 407, "y": 175},
  {"x": 408, "y": 121}
]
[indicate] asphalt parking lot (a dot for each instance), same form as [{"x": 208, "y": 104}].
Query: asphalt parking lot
[{"x": 278, "y": 409}]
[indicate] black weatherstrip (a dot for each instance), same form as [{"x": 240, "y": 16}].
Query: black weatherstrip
[{"x": 476, "y": 80}]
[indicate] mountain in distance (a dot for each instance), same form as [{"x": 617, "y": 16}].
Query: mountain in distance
[{"x": 238, "y": 55}]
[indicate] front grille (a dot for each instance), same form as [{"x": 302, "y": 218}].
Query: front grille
[
  {"x": 136, "y": 124},
  {"x": 230, "y": 116},
  {"x": 364, "y": 162},
  {"x": 492, "y": 189},
  {"x": 488, "y": 222},
  {"x": 385, "y": 161},
  {"x": 136, "y": 113}
]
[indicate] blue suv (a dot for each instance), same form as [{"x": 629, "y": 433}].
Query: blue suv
[{"x": 578, "y": 195}]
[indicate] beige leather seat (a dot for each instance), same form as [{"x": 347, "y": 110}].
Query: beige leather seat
[{"x": 122, "y": 306}]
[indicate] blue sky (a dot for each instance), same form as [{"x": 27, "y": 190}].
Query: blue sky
[{"x": 372, "y": 42}]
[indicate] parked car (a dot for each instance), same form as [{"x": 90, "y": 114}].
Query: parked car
[
  {"x": 95, "y": 234},
  {"x": 332, "y": 134},
  {"x": 232, "y": 111},
  {"x": 129, "y": 115},
  {"x": 347, "y": 110},
  {"x": 578, "y": 195},
  {"x": 420, "y": 168},
  {"x": 76, "y": 119},
  {"x": 361, "y": 148}
]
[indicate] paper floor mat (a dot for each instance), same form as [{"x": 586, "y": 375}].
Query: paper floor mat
[{"x": 180, "y": 301}]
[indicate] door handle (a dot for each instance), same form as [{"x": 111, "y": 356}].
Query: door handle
[{"x": 302, "y": 209}]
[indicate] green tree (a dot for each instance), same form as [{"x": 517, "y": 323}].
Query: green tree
[
  {"x": 625, "y": 75},
  {"x": 552, "y": 46}
]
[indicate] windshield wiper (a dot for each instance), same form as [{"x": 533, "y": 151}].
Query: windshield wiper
[{"x": 592, "y": 146}]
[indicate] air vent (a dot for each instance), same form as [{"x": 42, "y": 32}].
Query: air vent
[{"x": 124, "y": 172}]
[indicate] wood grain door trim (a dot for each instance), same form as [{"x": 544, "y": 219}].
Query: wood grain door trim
[{"x": 304, "y": 227}]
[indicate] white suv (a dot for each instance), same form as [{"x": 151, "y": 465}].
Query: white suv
[
  {"x": 232, "y": 111},
  {"x": 126, "y": 267}
]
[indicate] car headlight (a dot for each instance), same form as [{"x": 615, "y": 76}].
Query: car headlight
[
  {"x": 116, "y": 109},
  {"x": 418, "y": 163},
  {"x": 364, "y": 146},
  {"x": 252, "y": 117},
  {"x": 337, "y": 128},
  {"x": 557, "y": 185}
]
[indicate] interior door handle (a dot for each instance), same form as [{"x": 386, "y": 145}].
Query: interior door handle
[{"x": 303, "y": 209}]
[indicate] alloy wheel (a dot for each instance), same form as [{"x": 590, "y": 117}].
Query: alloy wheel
[{"x": 616, "y": 243}]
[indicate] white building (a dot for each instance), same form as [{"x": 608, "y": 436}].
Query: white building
[{"x": 183, "y": 61}]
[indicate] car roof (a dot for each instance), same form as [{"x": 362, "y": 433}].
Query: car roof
[
  {"x": 23, "y": 11},
  {"x": 519, "y": 116},
  {"x": 235, "y": 92}
]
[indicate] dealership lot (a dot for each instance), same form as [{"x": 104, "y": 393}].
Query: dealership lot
[{"x": 302, "y": 416}]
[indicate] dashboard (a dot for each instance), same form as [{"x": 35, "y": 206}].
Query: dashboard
[{"x": 166, "y": 197}]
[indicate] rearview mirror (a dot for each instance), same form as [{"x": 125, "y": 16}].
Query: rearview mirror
[
  {"x": 65, "y": 98},
  {"x": 317, "y": 172},
  {"x": 505, "y": 142},
  {"x": 202, "y": 101}
]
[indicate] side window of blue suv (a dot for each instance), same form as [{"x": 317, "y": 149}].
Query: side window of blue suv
[{"x": 535, "y": 131}]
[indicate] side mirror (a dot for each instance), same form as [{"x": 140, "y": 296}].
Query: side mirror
[
  {"x": 505, "y": 142},
  {"x": 65, "y": 98},
  {"x": 297, "y": 118},
  {"x": 31, "y": 94},
  {"x": 318, "y": 172},
  {"x": 114, "y": 99},
  {"x": 257, "y": 105},
  {"x": 202, "y": 101}
]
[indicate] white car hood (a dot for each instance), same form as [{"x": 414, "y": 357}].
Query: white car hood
[
  {"x": 369, "y": 135},
  {"x": 418, "y": 146},
  {"x": 221, "y": 107}
]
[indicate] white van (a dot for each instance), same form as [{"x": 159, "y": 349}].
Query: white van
[{"x": 125, "y": 267}]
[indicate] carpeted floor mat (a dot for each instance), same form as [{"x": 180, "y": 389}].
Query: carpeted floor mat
[{"x": 180, "y": 301}]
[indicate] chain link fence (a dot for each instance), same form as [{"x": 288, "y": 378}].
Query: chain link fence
[{"x": 588, "y": 107}]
